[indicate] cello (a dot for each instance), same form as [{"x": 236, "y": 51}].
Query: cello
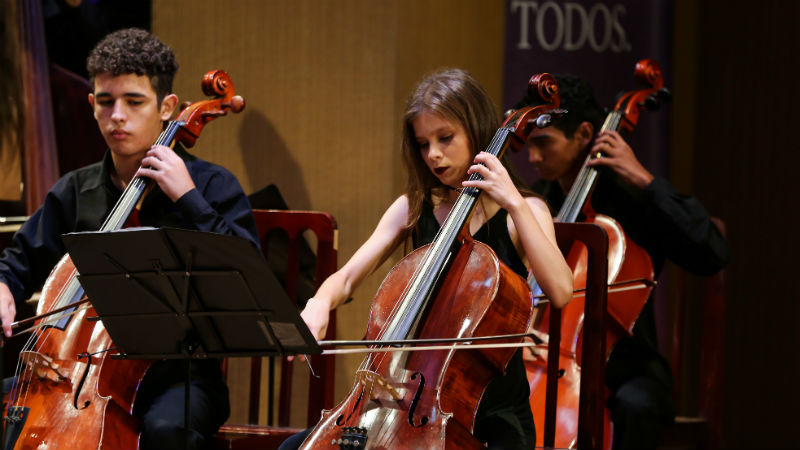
[
  {"x": 454, "y": 289},
  {"x": 60, "y": 400},
  {"x": 630, "y": 278}
]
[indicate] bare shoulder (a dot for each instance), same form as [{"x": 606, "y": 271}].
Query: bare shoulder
[{"x": 537, "y": 204}]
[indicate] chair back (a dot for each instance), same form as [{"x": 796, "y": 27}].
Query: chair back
[{"x": 301, "y": 270}]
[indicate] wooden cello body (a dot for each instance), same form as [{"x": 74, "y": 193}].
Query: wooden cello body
[
  {"x": 427, "y": 399},
  {"x": 68, "y": 391},
  {"x": 454, "y": 288},
  {"x": 75, "y": 402},
  {"x": 630, "y": 280}
]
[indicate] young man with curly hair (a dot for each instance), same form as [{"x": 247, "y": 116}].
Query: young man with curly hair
[{"x": 131, "y": 72}]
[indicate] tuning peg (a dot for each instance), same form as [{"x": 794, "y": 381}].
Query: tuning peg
[
  {"x": 544, "y": 121},
  {"x": 651, "y": 103}
]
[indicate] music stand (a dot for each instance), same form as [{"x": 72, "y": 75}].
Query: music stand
[{"x": 195, "y": 294}]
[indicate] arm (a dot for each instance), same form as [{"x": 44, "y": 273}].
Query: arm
[
  {"x": 340, "y": 286},
  {"x": 681, "y": 229},
  {"x": 220, "y": 206},
  {"x": 531, "y": 226}
]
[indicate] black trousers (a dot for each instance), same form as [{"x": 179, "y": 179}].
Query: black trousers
[
  {"x": 160, "y": 405},
  {"x": 641, "y": 402}
]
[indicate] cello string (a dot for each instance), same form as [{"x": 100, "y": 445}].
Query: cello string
[
  {"x": 344, "y": 351},
  {"x": 579, "y": 192},
  {"x": 43, "y": 336}
]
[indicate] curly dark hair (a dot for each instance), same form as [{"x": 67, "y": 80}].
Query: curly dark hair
[
  {"x": 133, "y": 50},
  {"x": 577, "y": 97}
]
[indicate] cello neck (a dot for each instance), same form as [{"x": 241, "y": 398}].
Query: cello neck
[
  {"x": 135, "y": 189},
  {"x": 586, "y": 179},
  {"x": 624, "y": 116}
]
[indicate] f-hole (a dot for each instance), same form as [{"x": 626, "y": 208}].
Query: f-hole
[
  {"x": 340, "y": 421},
  {"x": 415, "y": 402}
]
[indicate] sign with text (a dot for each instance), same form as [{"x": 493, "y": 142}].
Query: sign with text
[{"x": 600, "y": 41}]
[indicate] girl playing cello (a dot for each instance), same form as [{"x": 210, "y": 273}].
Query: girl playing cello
[{"x": 448, "y": 119}]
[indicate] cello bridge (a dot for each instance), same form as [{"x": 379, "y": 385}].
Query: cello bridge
[{"x": 370, "y": 380}]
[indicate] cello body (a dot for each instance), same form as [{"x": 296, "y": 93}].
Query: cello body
[
  {"x": 54, "y": 380},
  {"x": 399, "y": 398}
]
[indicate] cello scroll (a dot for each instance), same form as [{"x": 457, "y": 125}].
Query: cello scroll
[
  {"x": 647, "y": 72},
  {"x": 544, "y": 87},
  {"x": 196, "y": 115}
]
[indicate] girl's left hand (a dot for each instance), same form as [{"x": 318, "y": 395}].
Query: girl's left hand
[{"x": 496, "y": 181}]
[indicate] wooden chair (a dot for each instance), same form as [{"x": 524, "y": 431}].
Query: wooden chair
[
  {"x": 698, "y": 375},
  {"x": 272, "y": 224}
]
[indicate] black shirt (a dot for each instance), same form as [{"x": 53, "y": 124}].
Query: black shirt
[{"x": 81, "y": 200}]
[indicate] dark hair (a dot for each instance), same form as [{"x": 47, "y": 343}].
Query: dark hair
[
  {"x": 456, "y": 96},
  {"x": 133, "y": 50},
  {"x": 577, "y": 97}
]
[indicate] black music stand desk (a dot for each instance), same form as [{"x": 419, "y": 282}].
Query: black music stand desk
[
  {"x": 162, "y": 291},
  {"x": 182, "y": 294}
]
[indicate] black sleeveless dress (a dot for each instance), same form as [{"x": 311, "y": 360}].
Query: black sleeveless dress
[{"x": 504, "y": 420}]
